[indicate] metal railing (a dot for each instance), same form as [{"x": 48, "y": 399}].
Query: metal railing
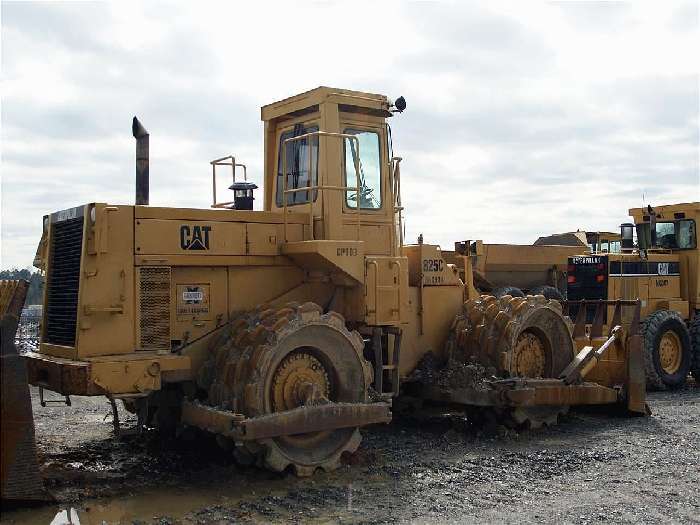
[
  {"x": 395, "y": 171},
  {"x": 222, "y": 162},
  {"x": 320, "y": 186}
]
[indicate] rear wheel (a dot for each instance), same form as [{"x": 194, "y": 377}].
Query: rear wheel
[
  {"x": 667, "y": 350},
  {"x": 549, "y": 292},
  {"x": 507, "y": 290},
  {"x": 519, "y": 337},
  {"x": 283, "y": 359}
]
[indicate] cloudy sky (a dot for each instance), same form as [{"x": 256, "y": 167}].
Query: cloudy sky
[{"x": 523, "y": 118}]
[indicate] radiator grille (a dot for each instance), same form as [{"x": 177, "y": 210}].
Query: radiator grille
[
  {"x": 63, "y": 281},
  {"x": 154, "y": 308}
]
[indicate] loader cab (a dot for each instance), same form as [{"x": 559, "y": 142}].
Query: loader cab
[
  {"x": 328, "y": 154},
  {"x": 670, "y": 231}
]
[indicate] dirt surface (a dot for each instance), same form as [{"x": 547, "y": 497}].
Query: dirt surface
[{"x": 592, "y": 467}]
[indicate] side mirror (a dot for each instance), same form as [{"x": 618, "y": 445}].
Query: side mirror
[{"x": 400, "y": 104}]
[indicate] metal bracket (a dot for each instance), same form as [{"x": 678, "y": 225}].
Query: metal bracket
[{"x": 45, "y": 402}]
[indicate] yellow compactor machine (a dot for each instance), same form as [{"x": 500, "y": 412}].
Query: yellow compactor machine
[{"x": 286, "y": 330}]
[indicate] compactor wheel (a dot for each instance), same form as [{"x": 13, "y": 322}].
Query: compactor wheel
[
  {"x": 518, "y": 336},
  {"x": 279, "y": 359},
  {"x": 535, "y": 417}
]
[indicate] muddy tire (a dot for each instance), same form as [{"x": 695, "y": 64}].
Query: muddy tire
[
  {"x": 695, "y": 343},
  {"x": 281, "y": 359},
  {"x": 507, "y": 290},
  {"x": 531, "y": 418},
  {"x": 549, "y": 292},
  {"x": 666, "y": 350},
  {"x": 518, "y": 336}
]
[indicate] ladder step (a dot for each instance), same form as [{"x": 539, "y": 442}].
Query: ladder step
[{"x": 389, "y": 367}]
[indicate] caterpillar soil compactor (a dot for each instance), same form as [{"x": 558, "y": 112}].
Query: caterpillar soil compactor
[{"x": 285, "y": 330}]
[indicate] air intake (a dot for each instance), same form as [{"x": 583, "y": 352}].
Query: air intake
[{"x": 63, "y": 281}]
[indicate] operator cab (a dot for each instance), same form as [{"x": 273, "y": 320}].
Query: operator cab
[
  {"x": 328, "y": 153},
  {"x": 656, "y": 231}
]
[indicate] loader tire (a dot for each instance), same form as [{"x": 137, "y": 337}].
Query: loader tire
[
  {"x": 280, "y": 359},
  {"x": 507, "y": 290},
  {"x": 695, "y": 342},
  {"x": 518, "y": 336},
  {"x": 549, "y": 292},
  {"x": 666, "y": 350}
]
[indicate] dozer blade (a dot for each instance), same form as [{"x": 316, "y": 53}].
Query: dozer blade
[{"x": 21, "y": 480}]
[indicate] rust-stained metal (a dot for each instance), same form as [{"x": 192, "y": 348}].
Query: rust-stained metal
[
  {"x": 300, "y": 420},
  {"x": 526, "y": 393},
  {"x": 21, "y": 480},
  {"x": 64, "y": 376}
]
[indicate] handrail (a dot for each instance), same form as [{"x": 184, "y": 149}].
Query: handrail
[
  {"x": 374, "y": 263},
  {"x": 398, "y": 283},
  {"x": 320, "y": 186},
  {"x": 395, "y": 172},
  {"x": 220, "y": 162}
]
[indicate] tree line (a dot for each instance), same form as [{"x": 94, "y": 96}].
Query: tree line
[{"x": 35, "y": 294}]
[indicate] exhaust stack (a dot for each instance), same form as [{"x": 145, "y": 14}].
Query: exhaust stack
[{"x": 141, "y": 136}]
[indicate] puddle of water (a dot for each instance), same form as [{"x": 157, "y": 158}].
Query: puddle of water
[
  {"x": 174, "y": 503},
  {"x": 171, "y": 502}
]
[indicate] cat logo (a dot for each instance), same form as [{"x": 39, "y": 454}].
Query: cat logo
[{"x": 194, "y": 237}]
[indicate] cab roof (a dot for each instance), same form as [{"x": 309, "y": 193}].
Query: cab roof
[
  {"x": 358, "y": 101},
  {"x": 668, "y": 211}
]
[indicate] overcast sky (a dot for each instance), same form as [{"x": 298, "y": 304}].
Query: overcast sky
[{"x": 523, "y": 119}]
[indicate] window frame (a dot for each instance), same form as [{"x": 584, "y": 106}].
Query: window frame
[
  {"x": 353, "y": 126},
  {"x": 676, "y": 230},
  {"x": 309, "y": 127}
]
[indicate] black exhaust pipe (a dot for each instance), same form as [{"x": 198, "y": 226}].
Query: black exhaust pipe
[{"x": 141, "y": 136}]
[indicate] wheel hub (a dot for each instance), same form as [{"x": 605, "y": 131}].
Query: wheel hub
[
  {"x": 529, "y": 356},
  {"x": 300, "y": 379},
  {"x": 670, "y": 353}
]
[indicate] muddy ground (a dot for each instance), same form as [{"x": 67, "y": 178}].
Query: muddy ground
[{"x": 592, "y": 467}]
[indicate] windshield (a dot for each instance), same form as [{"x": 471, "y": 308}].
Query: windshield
[{"x": 369, "y": 169}]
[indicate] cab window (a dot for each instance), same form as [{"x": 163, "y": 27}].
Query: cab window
[
  {"x": 686, "y": 234},
  {"x": 676, "y": 235},
  {"x": 301, "y": 165},
  {"x": 369, "y": 165}
]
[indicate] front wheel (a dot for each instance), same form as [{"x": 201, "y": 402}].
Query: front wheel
[{"x": 667, "y": 350}]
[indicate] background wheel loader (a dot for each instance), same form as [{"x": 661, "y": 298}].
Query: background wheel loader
[
  {"x": 663, "y": 271},
  {"x": 285, "y": 330}
]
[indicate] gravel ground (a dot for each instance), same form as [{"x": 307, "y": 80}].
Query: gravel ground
[{"x": 592, "y": 467}]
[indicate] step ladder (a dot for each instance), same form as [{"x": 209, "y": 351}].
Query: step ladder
[{"x": 382, "y": 356}]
